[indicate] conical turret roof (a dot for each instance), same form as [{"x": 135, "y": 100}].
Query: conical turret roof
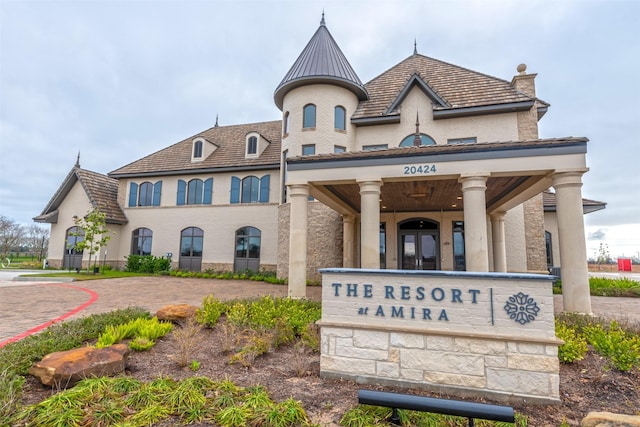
[{"x": 321, "y": 61}]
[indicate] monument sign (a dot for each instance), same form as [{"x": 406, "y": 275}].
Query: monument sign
[{"x": 463, "y": 333}]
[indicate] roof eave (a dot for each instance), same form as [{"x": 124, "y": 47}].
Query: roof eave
[
  {"x": 194, "y": 171},
  {"x": 510, "y": 107},
  {"x": 288, "y": 86},
  {"x": 380, "y": 120}
]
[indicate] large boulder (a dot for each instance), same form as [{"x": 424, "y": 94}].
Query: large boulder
[
  {"x": 176, "y": 312},
  {"x": 65, "y": 368},
  {"x": 607, "y": 419}
]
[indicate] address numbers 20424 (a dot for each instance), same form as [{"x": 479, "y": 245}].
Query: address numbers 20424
[{"x": 419, "y": 169}]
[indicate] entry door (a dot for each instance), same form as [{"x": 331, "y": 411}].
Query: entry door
[
  {"x": 72, "y": 259},
  {"x": 191, "y": 241},
  {"x": 419, "y": 250}
]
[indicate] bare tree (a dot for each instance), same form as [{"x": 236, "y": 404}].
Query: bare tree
[
  {"x": 10, "y": 235},
  {"x": 36, "y": 240}
]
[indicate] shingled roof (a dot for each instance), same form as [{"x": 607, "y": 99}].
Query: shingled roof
[
  {"x": 229, "y": 154},
  {"x": 549, "y": 202},
  {"x": 101, "y": 191},
  {"x": 321, "y": 61},
  {"x": 451, "y": 88}
]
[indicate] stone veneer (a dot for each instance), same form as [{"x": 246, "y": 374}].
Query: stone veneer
[
  {"x": 478, "y": 350},
  {"x": 324, "y": 239}
]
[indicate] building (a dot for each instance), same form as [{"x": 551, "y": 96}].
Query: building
[{"x": 427, "y": 166}]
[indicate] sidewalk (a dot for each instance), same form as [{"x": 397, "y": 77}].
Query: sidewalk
[{"x": 28, "y": 305}]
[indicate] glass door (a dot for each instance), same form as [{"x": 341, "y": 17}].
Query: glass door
[{"x": 419, "y": 250}]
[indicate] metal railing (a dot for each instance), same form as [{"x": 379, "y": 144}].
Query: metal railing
[{"x": 460, "y": 408}]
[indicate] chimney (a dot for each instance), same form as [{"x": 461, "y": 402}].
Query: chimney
[{"x": 523, "y": 82}]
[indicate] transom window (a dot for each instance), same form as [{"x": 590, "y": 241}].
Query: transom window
[
  {"x": 375, "y": 147},
  {"x": 424, "y": 140},
  {"x": 340, "y": 115},
  {"x": 469, "y": 140},
  {"x": 309, "y": 116}
]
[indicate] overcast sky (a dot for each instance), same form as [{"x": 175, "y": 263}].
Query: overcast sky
[{"x": 117, "y": 80}]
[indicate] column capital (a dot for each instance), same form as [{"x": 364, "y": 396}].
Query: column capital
[
  {"x": 475, "y": 180},
  {"x": 370, "y": 185},
  {"x": 498, "y": 215},
  {"x": 568, "y": 178},
  {"x": 348, "y": 219},
  {"x": 298, "y": 190}
]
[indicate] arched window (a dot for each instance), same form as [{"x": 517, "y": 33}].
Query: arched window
[
  {"x": 191, "y": 242},
  {"x": 250, "y": 189},
  {"x": 309, "y": 116},
  {"x": 141, "y": 239},
  {"x": 340, "y": 118},
  {"x": 195, "y": 192},
  {"x": 252, "y": 145},
  {"x": 285, "y": 121},
  {"x": 247, "y": 249},
  {"x": 424, "y": 140},
  {"x": 197, "y": 149},
  {"x": 145, "y": 195},
  {"x": 72, "y": 257}
]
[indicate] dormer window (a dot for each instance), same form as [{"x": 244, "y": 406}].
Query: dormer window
[
  {"x": 255, "y": 145},
  {"x": 252, "y": 145},
  {"x": 201, "y": 149},
  {"x": 197, "y": 149}
]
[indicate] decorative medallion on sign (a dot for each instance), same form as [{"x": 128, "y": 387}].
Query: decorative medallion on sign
[{"x": 521, "y": 308}]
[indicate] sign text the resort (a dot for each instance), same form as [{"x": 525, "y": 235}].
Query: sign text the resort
[{"x": 405, "y": 302}]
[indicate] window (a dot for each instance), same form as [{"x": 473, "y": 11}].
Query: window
[
  {"x": 252, "y": 145},
  {"x": 339, "y": 149},
  {"x": 285, "y": 121},
  {"x": 308, "y": 150},
  {"x": 145, "y": 194},
  {"x": 309, "y": 116},
  {"x": 75, "y": 235},
  {"x": 195, "y": 192},
  {"x": 383, "y": 245},
  {"x": 549, "y": 247},
  {"x": 458, "y": 246},
  {"x": 191, "y": 242},
  {"x": 375, "y": 147},
  {"x": 197, "y": 149},
  {"x": 470, "y": 140},
  {"x": 339, "y": 118},
  {"x": 141, "y": 241},
  {"x": 250, "y": 189},
  {"x": 424, "y": 140}
]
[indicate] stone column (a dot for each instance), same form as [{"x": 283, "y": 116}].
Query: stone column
[
  {"x": 475, "y": 221},
  {"x": 573, "y": 248},
  {"x": 298, "y": 194},
  {"x": 370, "y": 223},
  {"x": 499, "y": 242},
  {"x": 348, "y": 237}
]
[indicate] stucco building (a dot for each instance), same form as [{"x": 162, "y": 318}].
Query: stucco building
[{"x": 427, "y": 166}]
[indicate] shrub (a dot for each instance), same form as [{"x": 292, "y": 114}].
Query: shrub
[
  {"x": 212, "y": 309},
  {"x": 622, "y": 348},
  {"x": 147, "y": 264},
  {"x": 141, "y": 344},
  {"x": 574, "y": 347}
]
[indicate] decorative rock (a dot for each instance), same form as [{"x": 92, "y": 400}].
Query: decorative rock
[
  {"x": 65, "y": 368},
  {"x": 175, "y": 312},
  {"x": 608, "y": 419}
]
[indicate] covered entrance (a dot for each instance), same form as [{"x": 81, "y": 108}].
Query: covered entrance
[{"x": 419, "y": 245}]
